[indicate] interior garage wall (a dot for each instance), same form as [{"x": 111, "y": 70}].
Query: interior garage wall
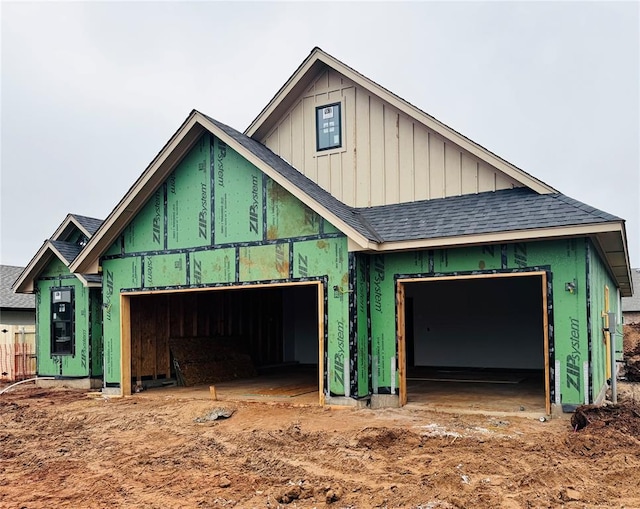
[
  {"x": 479, "y": 323},
  {"x": 300, "y": 324}
]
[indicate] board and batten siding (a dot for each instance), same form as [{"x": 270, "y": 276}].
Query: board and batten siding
[{"x": 387, "y": 157}]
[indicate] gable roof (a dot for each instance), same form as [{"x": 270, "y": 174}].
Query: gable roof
[
  {"x": 87, "y": 225},
  {"x": 8, "y": 299},
  {"x": 318, "y": 60},
  {"x": 58, "y": 247},
  {"x": 633, "y": 303},
  {"x": 502, "y": 216}
]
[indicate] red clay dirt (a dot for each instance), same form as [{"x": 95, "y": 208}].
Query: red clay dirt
[
  {"x": 631, "y": 347},
  {"x": 65, "y": 448}
]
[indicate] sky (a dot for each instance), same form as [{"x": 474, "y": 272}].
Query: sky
[{"x": 90, "y": 92}]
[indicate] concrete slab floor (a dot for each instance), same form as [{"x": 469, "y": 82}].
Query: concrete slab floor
[{"x": 524, "y": 398}]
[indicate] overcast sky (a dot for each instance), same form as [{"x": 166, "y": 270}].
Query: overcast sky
[{"x": 92, "y": 91}]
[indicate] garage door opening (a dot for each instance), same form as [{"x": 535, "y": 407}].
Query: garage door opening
[
  {"x": 477, "y": 341},
  {"x": 249, "y": 342}
]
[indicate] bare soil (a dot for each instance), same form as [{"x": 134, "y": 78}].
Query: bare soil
[
  {"x": 631, "y": 347},
  {"x": 67, "y": 448}
]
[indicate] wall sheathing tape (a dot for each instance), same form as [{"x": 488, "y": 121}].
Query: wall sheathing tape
[
  {"x": 374, "y": 373},
  {"x": 345, "y": 368},
  {"x": 393, "y": 374},
  {"x": 585, "y": 376},
  {"x": 557, "y": 382}
]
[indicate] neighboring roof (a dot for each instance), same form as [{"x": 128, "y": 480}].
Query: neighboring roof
[
  {"x": 8, "y": 299},
  {"x": 318, "y": 60},
  {"x": 633, "y": 303}
]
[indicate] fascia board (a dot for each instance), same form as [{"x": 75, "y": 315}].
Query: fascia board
[
  {"x": 621, "y": 273},
  {"x": 63, "y": 226},
  {"x": 25, "y": 282},
  {"x": 162, "y": 165},
  {"x": 497, "y": 237}
]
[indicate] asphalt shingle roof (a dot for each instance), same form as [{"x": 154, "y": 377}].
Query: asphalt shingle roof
[
  {"x": 68, "y": 250},
  {"x": 93, "y": 278},
  {"x": 8, "y": 299},
  {"x": 91, "y": 224},
  {"x": 489, "y": 212}
]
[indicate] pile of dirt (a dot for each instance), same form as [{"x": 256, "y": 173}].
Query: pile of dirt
[
  {"x": 631, "y": 346},
  {"x": 623, "y": 417}
]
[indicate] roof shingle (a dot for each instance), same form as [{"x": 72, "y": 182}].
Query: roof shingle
[
  {"x": 68, "y": 250},
  {"x": 91, "y": 224},
  {"x": 8, "y": 299}
]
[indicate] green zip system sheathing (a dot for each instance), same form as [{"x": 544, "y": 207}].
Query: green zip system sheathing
[
  {"x": 599, "y": 282},
  {"x": 85, "y": 359},
  {"x": 261, "y": 234},
  {"x": 563, "y": 260}
]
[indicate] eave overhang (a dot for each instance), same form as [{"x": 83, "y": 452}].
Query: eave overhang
[{"x": 609, "y": 239}]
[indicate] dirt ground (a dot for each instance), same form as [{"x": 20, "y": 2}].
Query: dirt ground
[
  {"x": 68, "y": 448},
  {"x": 631, "y": 345}
]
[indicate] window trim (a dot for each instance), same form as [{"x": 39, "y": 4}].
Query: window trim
[{"x": 340, "y": 116}]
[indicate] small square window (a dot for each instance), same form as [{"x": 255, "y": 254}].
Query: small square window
[{"x": 328, "y": 127}]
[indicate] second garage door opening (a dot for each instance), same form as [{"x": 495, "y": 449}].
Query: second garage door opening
[{"x": 476, "y": 340}]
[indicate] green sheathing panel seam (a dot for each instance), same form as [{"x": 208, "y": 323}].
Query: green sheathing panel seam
[
  {"x": 352, "y": 331},
  {"x": 362, "y": 325},
  {"x": 96, "y": 346},
  {"x": 589, "y": 394}
]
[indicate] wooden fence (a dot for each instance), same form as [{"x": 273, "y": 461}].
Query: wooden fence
[{"x": 17, "y": 361}]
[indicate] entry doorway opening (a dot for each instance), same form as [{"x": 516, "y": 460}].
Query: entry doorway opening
[
  {"x": 248, "y": 342},
  {"x": 477, "y": 341}
]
